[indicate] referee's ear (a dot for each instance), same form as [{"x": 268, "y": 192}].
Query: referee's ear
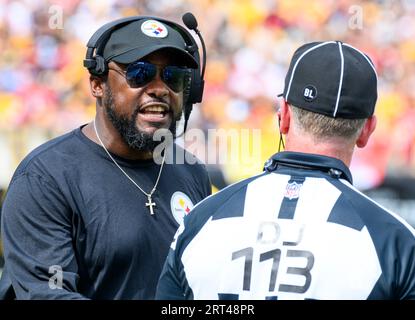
[
  {"x": 96, "y": 85},
  {"x": 284, "y": 117},
  {"x": 368, "y": 128}
]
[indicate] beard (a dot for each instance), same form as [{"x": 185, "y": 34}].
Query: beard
[{"x": 127, "y": 128}]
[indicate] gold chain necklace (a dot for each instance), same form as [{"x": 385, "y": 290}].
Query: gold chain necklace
[{"x": 150, "y": 204}]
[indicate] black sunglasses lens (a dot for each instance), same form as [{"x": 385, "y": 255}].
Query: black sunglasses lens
[
  {"x": 140, "y": 73},
  {"x": 176, "y": 77}
]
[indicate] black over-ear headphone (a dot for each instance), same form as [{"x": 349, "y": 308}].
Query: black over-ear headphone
[{"x": 96, "y": 64}]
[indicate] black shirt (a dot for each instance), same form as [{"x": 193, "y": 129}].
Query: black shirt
[{"x": 71, "y": 217}]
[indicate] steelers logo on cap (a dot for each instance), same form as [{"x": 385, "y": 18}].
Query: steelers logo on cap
[{"x": 155, "y": 29}]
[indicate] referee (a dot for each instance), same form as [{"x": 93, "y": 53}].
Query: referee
[{"x": 300, "y": 230}]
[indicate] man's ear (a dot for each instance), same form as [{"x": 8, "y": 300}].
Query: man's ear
[
  {"x": 284, "y": 117},
  {"x": 368, "y": 128},
  {"x": 97, "y": 86}
]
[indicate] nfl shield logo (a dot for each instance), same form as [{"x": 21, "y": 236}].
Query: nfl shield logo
[{"x": 292, "y": 190}]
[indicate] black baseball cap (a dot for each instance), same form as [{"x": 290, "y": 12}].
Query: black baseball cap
[
  {"x": 332, "y": 78},
  {"x": 137, "y": 39}
]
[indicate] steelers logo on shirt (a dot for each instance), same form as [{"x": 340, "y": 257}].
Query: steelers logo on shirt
[{"x": 180, "y": 205}]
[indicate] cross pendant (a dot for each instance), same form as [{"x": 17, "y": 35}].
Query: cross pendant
[{"x": 150, "y": 204}]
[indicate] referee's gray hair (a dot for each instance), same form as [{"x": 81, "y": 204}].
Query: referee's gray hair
[{"x": 323, "y": 127}]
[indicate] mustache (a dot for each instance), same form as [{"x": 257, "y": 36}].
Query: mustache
[
  {"x": 176, "y": 115},
  {"x": 157, "y": 100}
]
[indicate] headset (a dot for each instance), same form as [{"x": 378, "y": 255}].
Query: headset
[{"x": 97, "y": 66}]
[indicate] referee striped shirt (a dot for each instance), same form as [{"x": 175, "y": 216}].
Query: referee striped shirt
[{"x": 300, "y": 230}]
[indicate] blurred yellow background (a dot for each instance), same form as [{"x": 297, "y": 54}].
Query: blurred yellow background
[{"x": 44, "y": 89}]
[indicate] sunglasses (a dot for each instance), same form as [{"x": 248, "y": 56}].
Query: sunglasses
[{"x": 140, "y": 73}]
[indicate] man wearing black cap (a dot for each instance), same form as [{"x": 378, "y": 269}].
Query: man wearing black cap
[
  {"x": 91, "y": 214},
  {"x": 301, "y": 230}
]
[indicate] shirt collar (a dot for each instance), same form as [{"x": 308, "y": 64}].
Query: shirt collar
[{"x": 335, "y": 167}]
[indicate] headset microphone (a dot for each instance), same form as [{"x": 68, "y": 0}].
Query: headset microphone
[{"x": 191, "y": 23}]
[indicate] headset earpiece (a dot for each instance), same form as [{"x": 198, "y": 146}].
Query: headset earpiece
[
  {"x": 101, "y": 67},
  {"x": 195, "y": 90},
  {"x": 281, "y": 140}
]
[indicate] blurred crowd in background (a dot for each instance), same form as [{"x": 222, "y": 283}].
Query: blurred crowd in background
[{"x": 44, "y": 89}]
